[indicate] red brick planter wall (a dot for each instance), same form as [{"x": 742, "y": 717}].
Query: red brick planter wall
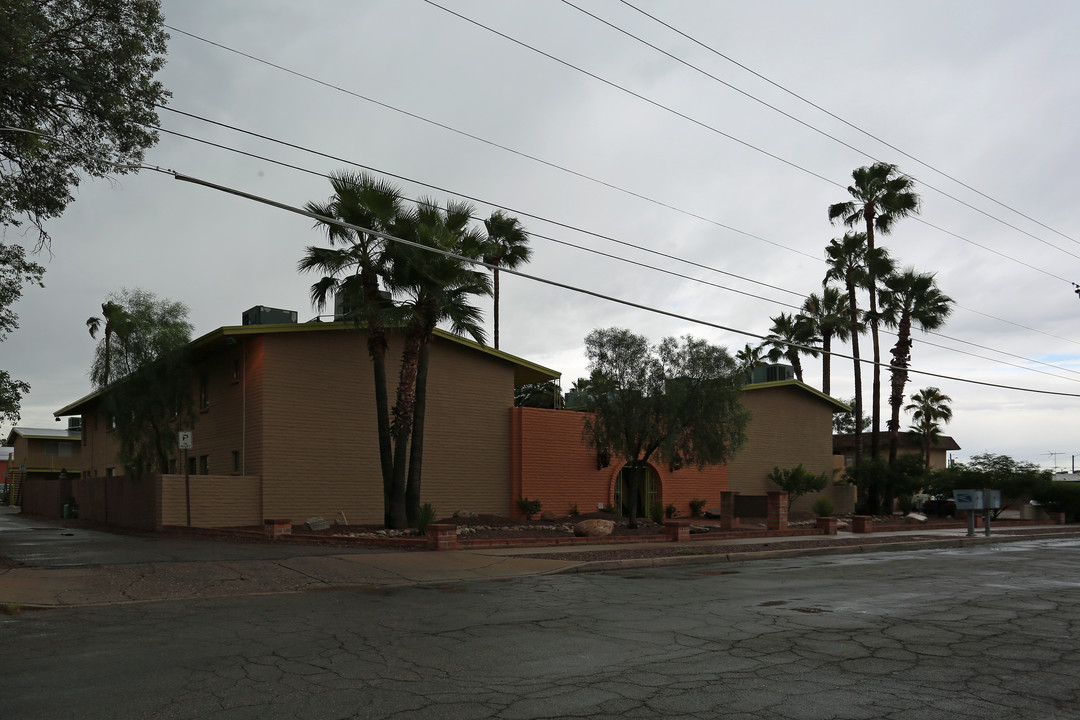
[
  {"x": 828, "y": 524},
  {"x": 862, "y": 524},
  {"x": 778, "y": 510},
  {"x": 442, "y": 537}
]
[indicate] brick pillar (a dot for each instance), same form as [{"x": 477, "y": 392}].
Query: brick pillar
[
  {"x": 442, "y": 537},
  {"x": 276, "y": 527},
  {"x": 862, "y": 524},
  {"x": 1056, "y": 518},
  {"x": 778, "y": 506},
  {"x": 728, "y": 521},
  {"x": 828, "y": 524},
  {"x": 677, "y": 530}
]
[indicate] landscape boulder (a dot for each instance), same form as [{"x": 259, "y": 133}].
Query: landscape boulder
[
  {"x": 594, "y": 528},
  {"x": 464, "y": 514},
  {"x": 549, "y": 516},
  {"x": 316, "y": 523}
]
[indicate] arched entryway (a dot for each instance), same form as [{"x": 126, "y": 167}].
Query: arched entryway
[{"x": 649, "y": 493}]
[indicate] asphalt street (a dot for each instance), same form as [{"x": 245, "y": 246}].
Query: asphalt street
[{"x": 982, "y": 632}]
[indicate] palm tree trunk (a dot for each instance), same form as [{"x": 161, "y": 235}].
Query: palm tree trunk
[
  {"x": 631, "y": 483},
  {"x": 416, "y": 448},
  {"x": 875, "y": 426},
  {"x": 853, "y": 311},
  {"x": 495, "y": 294},
  {"x": 401, "y": 429},
  {"x": 901, "y": 354},
  {"x": 377, "y": 346},
  {"x": 826, "y": 362}
]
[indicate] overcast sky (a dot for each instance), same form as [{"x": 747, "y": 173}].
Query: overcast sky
[{"x": 983, "y": 91}]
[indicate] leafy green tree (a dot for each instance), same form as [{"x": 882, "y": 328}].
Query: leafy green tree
[
  {"x": 828, "y": 312},
  {"x": 881, "y": 196},
  {"x": 15, "y": 272},
  {"x": 798, "y": 481},
  {"x": 790, "y": 337},
  {"x": 678, "y": 401},
  {"x": 908, "y": 298},
  {"x": 507, "y": 246},
  {"x": 539, "y": 395},
  {"x": 77, "y": 98},
  {"x": 844, "y": 422},
  {"x": 145, "y": 379},
  {"x": 1015, "y": 479},
  {"x": 351, "y": 268},
  {"x": 929, "y": 408}
]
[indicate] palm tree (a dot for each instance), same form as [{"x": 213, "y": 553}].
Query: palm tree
[
  {"x": 507, "y": 246},
  {"x": 789, "y": 337},
  {"x": 881, "y": 197},
  {"x": 351, "y": 268},
  {"x": 929, "y": 408},
  {"x": 749, "y": 358},
  {"x": 908, "y": 298},
  {"x": 847, "y": 260},
  {"x": 829, "y": 314},
  {"x": 436, "y": 289},
  {"x": 117, "y": 324}
]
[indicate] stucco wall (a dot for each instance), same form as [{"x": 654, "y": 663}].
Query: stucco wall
[{"x": 788, "y": 426}]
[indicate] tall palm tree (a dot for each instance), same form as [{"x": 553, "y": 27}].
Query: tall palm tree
[
  {"x": 435, "y": 289},
  {"x": 117, "y": 324},
  {"x": 908, "y": 298},
  {"x": 789, "y": 337},
  {"x": 847, "y": 260},
  {"x": 929, "y": 408},
  {"x": 749, "y": 358},
  {"x": 829, "y": 313},
  {"x": 351, "y": 268},
  {"x": 881, "y": 196},
  {"x": 507, "y": 246}
]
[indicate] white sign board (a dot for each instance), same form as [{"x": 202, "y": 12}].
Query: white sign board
[
  {"x": 977, "y": 499},
  {"x": 185, "y": 440}
]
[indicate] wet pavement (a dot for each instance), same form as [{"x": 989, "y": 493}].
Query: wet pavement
[{"x": 988, "y": 631}]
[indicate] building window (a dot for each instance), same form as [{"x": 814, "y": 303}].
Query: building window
[
  {"x": 237, "y": 370},
  {"x": 172, "y": 466},
  {"x": 204, "y": 392},
  {"x": 204, "y": 465},
  {"x": 109, "y": 472},
  {"x": 236, "y": 461},
  {"x": 191, "y": 466}
]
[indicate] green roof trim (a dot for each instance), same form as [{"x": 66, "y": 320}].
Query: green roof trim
[{"x": 836, "y": 404}]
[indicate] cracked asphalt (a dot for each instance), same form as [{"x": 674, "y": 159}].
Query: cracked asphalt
[{"x": 976, "y": 632}]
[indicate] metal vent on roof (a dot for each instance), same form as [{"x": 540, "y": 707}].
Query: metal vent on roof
[{"x": 262, "y": 315}]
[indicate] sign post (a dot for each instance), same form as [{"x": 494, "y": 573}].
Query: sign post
[{"x": 185, "y": 443}]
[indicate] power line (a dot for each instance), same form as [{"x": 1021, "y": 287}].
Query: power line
[
  {"x": 580, "y": 290},
  {"x": 716, "y": 130},
  {"x": 845, "y": 122},
  {"x": 583, "y": 248},
  {"x": 584, "y": 176}
]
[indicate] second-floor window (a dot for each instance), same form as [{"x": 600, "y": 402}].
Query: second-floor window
[
  {"x": 204, "y": 392},
  {"x": 55, "y": 448}
]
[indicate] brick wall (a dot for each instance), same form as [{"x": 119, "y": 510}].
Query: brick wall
[
  {"x": 552, "y": 463},
  {"x": 216, "y": 501}
]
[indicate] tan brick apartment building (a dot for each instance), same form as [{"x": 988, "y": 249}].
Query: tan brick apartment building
[
  {"x": 285, "y": 427},
  {"x": 41, "y": 453}
]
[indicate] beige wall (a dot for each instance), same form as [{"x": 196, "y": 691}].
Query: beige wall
[
  {"x": 216, "y": 501},
  {"x": 788, "y": 426}
]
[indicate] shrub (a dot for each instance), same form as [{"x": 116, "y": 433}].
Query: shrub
[
  {"x": 823, "y": 506},
  {"x": 426, "y": 517},
  {"x": 1060, "y": 497},
  {"x": 696, "y": 506},
  {"x": 529, "y": 507},
  {"x": 906, "y": 504},
  {"x": 671, "y": 512},
  {"x": 798, "y": 481},
  {"x": 656, "y": 512}
]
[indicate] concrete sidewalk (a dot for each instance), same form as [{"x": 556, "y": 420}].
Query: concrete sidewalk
[{"x": 200, "y": 569}]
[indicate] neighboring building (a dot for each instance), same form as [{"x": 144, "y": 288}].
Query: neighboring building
[
  {"x": 939, "y": 459},
  {"x": 5, "y": 472},
  {"x": 285, "y": 428},
  {"x": 792, "y": 424},
  {"x": 42, "y": 453}
]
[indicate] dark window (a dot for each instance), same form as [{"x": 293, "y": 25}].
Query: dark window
[
  {"x": 191, "y": 466},
  {"x": 204, "y": 392},
  {"x": 236, "y": 460},
  {"x": 237, "y": 369},
  {"x": 172, "y": 466},
  {"x": 108, "y": 472},
  {"x": 204, "y": 465}
]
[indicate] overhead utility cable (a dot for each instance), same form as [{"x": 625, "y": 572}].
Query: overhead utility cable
[
  {"x": 851, "y": 125},
  {"x": 577, "y": 289},
  {"x": 610, "y": 255},
  {"x": 807, "y": 125},
  {"x": 574, "y": 172}
]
